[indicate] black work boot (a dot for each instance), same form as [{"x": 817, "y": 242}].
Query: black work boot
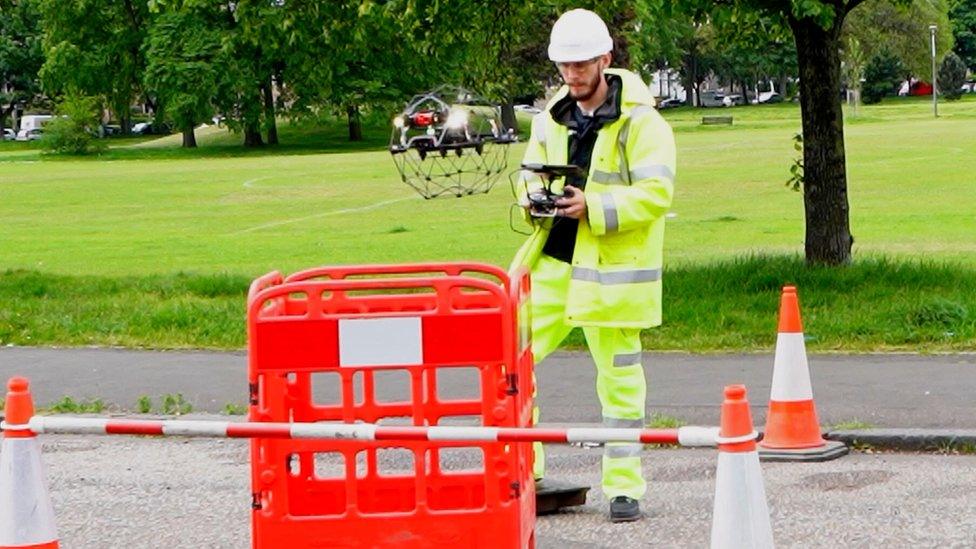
[{"x": 624, "y": 509}]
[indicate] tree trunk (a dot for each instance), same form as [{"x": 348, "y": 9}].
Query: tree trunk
[
  {"x": 508, "y": 117},
  {"x": 828, "y": 235},
  {"x": 355, "y": 123},
  {"x": 4, "y": 115},
  {"x": 269, "y": 112},
  {"x": 252, "y": 135},
  {"x": 784, "y": 82},
  {"x": 189, "y": 138}
]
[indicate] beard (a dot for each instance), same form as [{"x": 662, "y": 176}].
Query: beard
[{"x": 589, "y": 88}]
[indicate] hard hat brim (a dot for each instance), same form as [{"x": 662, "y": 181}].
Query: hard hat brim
[{"x": 563, "y": 54}]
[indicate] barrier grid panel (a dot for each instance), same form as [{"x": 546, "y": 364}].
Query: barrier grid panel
[{"x": 412, "y": 345}]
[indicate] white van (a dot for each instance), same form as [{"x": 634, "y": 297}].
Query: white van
[{"x": 31, "y": 122}]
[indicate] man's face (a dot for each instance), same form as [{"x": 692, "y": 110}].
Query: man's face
[{"x": 583, "y": 77}]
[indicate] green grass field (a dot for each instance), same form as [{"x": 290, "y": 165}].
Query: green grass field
[{"x": 134, "y": 216}]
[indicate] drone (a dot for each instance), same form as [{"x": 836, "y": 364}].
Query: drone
[{"x": 450, "y": 141}]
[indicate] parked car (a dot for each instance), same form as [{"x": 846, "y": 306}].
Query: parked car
[
  {"x": 712, "y": 98},
  {"x": 111, "y": 129},
  {"x": 9, "y": 134},
  {"x": 527, "y": 109},
  {"x": 768, "y": 97},
  {"x": 670, "y": 103},
  {"x": 32, "y": 122},
  {"x": 141, "y": 128},
  {"x": 733, "y": 99},
  {"x": 30, "y": 135}
]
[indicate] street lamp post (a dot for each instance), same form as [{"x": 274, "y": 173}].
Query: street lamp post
[{"x": 935, "y": 84}]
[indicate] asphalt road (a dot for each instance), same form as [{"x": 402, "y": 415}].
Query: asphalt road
[
  {"x": 149, "y": 493},
  {"x": 144, "y": 492},
  {"x": 882, "y": 390}
]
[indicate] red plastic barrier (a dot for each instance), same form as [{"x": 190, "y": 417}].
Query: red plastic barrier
[{"x": 320, "y": 340}]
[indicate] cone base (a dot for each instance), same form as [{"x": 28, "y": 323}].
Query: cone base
[{"x": 831, "y": 449}]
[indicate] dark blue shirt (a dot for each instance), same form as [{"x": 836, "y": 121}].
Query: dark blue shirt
[{"x": 583, "y": 131}]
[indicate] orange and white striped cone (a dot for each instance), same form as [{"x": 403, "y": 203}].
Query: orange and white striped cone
[
  {"x": 792, "y": 429},
  {"x": 740, "y": 518},
  {"x": 26, "y": 513}
]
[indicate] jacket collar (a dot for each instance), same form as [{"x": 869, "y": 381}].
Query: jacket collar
[{"x": 609, "y": 111}]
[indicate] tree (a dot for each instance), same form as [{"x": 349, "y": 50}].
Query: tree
[
  {"x": 74, "y": 129},
  {"x": 21, "y": 55},
  {"x": 963, "y": 16},
  {"x": 350, "y": 56},
  {"x": 952, "y": 75},
  {"x": 903, "y": 31},
  {"x": 854, "y": 67},
  {"x": 253, "y": 49},
  {"x": 697, "y": 43},
  {"x": 754, "y": 48},
  {"x": 499, "y": 49},
  {"x": 94, "y": 48},
  {"x": 816, "y": 27},
  {"x": 183, "y": 64},
  {"x": 881, "y": 77}
]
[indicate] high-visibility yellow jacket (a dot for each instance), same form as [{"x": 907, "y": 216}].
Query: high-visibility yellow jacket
[{"x": 617, "y": 260}]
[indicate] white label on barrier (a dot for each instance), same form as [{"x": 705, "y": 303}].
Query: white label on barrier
[{"x": 380, "y": 341}]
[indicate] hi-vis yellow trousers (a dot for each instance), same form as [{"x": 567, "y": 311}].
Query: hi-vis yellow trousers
[{"x": 620, "y": 383}]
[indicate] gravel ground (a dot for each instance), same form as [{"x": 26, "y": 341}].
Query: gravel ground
[{"x": 146, "y": 493}]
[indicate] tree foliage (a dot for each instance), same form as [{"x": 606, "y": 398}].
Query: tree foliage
[
  {"x": 184, "y": 67},
  {"x": 882, "y": 76},
  {"x": 855, "y": 63},
  {"x": 254, "y": 55},
  {"x": 902, "y": 30},
  {"x": 21, "y": 54},
  {"x": 952, "y": 75},
  {"x": 74, "y": 129},
  {"x": 963, "y": 16},
  {"x": 94, "y": 48}
]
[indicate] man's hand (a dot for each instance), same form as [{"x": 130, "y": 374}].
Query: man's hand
[{"x": 572, "y": 204}]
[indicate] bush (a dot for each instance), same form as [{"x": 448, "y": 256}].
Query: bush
[
  {"x": 881, "y": 77},
  {"x": 73, "y": 131},
  {"x": 952, "y": 75}
]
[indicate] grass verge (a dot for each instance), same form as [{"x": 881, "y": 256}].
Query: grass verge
[{"x": 875, "y": 304}]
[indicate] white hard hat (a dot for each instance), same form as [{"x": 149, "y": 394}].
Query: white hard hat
[{"x": 579, "y": 35}]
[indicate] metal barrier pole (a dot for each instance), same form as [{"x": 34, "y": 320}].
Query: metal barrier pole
[{"x": 681, "y": 436}]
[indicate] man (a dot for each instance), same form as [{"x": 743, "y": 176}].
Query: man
[{"x": 597, "y": 264}]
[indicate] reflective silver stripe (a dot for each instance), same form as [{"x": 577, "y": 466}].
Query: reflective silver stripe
[
  {"x": 622, "y": 165},
  {"x": 609, "y": 212},
  {"x": 637, "y": 112},
  {"x": 607, "y": 178},
  {"x": 616, "y": 451},
  {"x": 616, "y": 277},
  {"x": 646, "y": 172},
  {"x": 629, "y": 359},
  {"x": 618, "y": 423}
]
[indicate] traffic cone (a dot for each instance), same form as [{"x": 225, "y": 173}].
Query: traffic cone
[
  {"x": 26, "y": 514},
  {"x": 792, "y": 430},
  {"x": 740, "y": 518}
]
